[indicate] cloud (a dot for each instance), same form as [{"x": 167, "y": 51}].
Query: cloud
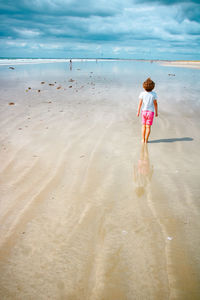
[
  {"x": 78, "y": 28},
  {"x": 83, "y": 8},
  {"x": 168, "y": 2},
  {"x": 27, "y": 32},
  {"x": 188, "y": 9}
]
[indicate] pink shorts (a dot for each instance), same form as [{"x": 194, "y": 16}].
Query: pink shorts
[{"x": 147, "y": 117}]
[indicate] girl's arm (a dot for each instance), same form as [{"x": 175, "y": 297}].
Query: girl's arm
[
  {"x": 139, "y": 107},
  {"x": 156, "y": 107}
]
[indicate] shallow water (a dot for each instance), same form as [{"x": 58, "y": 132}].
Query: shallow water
[
  {"x": 86, "y": 211},
  {"x": 179, "y": 84}
]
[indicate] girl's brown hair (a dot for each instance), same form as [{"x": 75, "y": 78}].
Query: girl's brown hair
[{"x": 148, "y": 85}]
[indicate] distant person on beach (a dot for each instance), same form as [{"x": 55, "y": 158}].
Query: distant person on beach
[
  {"x": 148, "y": 102},
  {"x": 70, "y": 64}
]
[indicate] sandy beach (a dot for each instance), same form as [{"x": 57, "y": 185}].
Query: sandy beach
[
  {"x": 181, "y": 64},
  {"x": 87, "y": 212}
]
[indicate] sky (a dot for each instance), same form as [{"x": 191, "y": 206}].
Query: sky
[{"x": 137, "y": 29}]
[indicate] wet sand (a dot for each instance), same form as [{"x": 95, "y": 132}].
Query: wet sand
[{"x": 86, "y": 211}]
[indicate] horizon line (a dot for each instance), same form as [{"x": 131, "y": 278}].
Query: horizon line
[{"x": 100, "y": 58}]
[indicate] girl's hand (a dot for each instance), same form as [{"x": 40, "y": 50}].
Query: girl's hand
[{"x": 138, "y": 114}]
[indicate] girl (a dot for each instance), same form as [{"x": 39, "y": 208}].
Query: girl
[{"x": 148, "y": 102}]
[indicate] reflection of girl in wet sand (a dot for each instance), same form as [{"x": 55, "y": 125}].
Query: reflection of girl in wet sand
[{"x": 143, "y": 172}]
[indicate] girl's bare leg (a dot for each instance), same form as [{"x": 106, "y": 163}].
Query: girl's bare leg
[
  {"x": 148, "y": 131},
  {"x": 143, "y": 133}
]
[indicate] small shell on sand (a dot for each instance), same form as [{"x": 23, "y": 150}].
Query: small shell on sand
[
  {"x": 12, "y": 103},
  {"x": 59, "y": 87},
  {"x": 70, "y": 86},
  {"x": 51, "y": 84},
  {"x": 42, "y": 82},
  {"x": 71, "y": 80},
  {"x": 39, "y": 91},
  {"x": 29, "y": 88}
]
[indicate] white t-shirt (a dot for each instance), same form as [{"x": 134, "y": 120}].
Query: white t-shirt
[{"x": 148, "y": 98}]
